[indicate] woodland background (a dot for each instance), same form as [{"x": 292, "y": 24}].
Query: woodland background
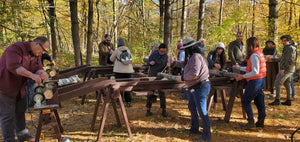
[{"x": 76, "y": 27}]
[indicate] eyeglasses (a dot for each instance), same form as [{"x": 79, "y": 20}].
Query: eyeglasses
[{"x": 43, "y": 48}]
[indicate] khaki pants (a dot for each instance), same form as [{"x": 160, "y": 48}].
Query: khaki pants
[{"x": 286, "y": 81}]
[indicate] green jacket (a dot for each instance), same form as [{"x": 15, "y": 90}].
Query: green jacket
[
  {"x": 235, "y": 53},
  {"x": 288, "y": 59}
]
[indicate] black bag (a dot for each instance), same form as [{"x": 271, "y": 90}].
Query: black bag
[{"x": 125, "y": 57}]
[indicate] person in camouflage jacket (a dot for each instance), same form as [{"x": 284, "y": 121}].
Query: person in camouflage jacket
[{"x": 287, "y": 67}]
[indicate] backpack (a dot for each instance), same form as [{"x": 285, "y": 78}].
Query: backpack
[{"x": 125, "y": 57}]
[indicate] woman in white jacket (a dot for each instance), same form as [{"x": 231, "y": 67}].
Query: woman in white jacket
[{"x": 122, "y": 70}]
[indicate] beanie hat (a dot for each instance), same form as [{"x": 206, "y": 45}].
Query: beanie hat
[{"x": 121, "y": 42}]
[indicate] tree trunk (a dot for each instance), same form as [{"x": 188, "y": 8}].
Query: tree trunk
[
  {"x": 115, "y": 23},
  {"x": 171, "y": 30},
  {"x": 161, "y": 17},
  {"x": 291, "y": 13},
  {"x": 52, "y": 17},
  {"x": 273, "y": 19},
  {"x": 221, "y": 12},
  {"x": 90, "y": 34},
  {"x": 144, "y": 29},
  {"x": 83, "y": 33},
  {"x": 201, "y": 19},
  {"x": 98, "y": 25},
  {"x": 239, "y": 25},
  {"x": 253, "y": 19},
  {"x": 167, "y": 22},
  {"x": 75, "y": 32},
  {"x": 183, "y": 19}
]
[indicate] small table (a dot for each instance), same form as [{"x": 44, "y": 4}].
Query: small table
[{"x": 272, "y": 71}]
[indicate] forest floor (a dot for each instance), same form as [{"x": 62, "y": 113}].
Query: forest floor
[{"x": 280, "y": 122}]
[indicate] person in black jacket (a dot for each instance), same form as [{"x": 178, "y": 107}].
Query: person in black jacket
[
  {"x": 217, "y": 58},
  {"x": 216, "y": 61},
  {"x": 46, "y": 56},
  {"x": 270, "y": 48}
]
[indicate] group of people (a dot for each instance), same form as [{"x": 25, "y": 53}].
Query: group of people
[
  {"x": 249, "y": 59},
  {"x": 22, "y": 60}
]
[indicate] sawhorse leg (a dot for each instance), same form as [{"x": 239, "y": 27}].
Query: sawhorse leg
[
  {"x": 49, "y": 116},
  {"x": 113, "y": 93}
]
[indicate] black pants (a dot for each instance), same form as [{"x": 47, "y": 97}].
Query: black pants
[
  {"x": 162, "y": 98},
  {"x": 125, "y": 95}
]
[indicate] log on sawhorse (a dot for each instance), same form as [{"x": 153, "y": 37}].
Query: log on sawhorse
[
  {"x": 49, "y": 116},
  {"x": 112, "y": 92}
]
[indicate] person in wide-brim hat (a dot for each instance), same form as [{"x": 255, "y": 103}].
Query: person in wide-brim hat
[
  {"x": 188, "y": 42},
  {"x": 196, "y": 75},
  {"x": 270, "y": 48}
]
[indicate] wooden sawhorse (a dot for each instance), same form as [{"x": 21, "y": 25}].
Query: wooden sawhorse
[
  {"x": 49, "y": 116},
  {"x": 112, "y": 92}
]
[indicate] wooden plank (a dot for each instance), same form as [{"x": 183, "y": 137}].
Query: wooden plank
[{"x": 84, "y": 89}]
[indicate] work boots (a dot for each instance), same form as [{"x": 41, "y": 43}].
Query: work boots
[
  {"x": 275, "y": 103},
  {"x": 287, "y": 103},
  {"x": 260, "y": 123},
  {"x": 249, "y": 125}
]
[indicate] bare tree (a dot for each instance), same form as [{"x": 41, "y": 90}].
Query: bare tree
[
  {"x": 183, "y": 19},
  {"x": 273, "y": 19},
  {"x": 90, "y": 34},
  {"x": 201, "y": 19},
  {"x": 75, "y": 32}
]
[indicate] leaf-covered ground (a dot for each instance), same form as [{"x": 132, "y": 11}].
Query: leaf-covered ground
[{"x": 281, "y": 121}]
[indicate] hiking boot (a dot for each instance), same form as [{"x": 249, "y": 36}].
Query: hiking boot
[
  {"x": 275, "y": 103},
  {"x": 26, "y": 138},
  {"x": 192, "y": 132},
  {"x": 260, "y": 123},
  {"x": 128, "y": 104},
  {"x": 164, "y": 113},
  {"x": 287, "y": 103},
  {"x": 249, "y": 125},
  {"x": 148, "y": 113}
]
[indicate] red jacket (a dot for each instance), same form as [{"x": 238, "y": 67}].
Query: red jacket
[{"x": 262, "y": 66}]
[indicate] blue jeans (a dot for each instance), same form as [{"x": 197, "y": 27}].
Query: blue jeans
[
  {"x": 12, "y": 118},
  {"x": 197, "y": 101},
  {"x": 292, "y": 85},
  {"x": 254, "y": 91}
]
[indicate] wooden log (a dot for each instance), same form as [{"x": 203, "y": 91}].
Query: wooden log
[
  {"x": 142, "y": 93},
  {"x": 222, "y": 73}
]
